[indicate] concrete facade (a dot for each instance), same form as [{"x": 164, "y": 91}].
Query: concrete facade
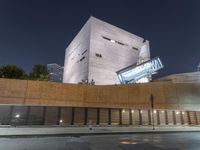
[
  {"x": 100, "y": 50},
  {"x": 168, "y": 95},
  {"x": 191, "y": 77},
  {"x": 50, "y": 103}
]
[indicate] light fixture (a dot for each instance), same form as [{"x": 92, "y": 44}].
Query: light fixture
[
  {"x": 154, "y": 111},
  {"x": 17, "y": 115},
  {"x": 162, "y": 111},
  {"x": 141, "y": 111},
  {"x": 132, "y": 111},
  {"x": 183, "y": 113},
  {"x": 177, "y": 112},
  {"x": 123, "y": 110},
  {"x": 112, "y": 41},
  {"x": 61, "y": 121}
]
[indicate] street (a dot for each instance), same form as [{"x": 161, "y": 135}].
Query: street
[{"x": 170, "y": 141}]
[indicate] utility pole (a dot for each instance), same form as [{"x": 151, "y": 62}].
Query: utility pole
[{"x": 151, "y": 98}]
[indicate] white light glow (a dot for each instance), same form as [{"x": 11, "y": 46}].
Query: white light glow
[
  {"x": 132, "y": 111},
  {"x": 112, "y": 41},
  {"x": 183, "y": 113},
  {"x": 17, "y": 115},
  {"x": 141, "y": 111},
  {"x": 154, "y": 111},
  {"x": 177, "y": 112},
  {"x": 61, "y": 121},
  {"x": 162, "y": 111}
]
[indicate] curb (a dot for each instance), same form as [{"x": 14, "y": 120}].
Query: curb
[{"x": 91, "y": 134}]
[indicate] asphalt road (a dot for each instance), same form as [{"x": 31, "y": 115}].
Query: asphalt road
[{"x": 167, "y": 141}]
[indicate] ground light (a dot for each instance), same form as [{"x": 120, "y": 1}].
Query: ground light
[{"x": 17, "y": 115}]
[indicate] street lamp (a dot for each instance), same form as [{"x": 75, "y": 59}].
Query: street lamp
[{"x": 151, "y": 98}]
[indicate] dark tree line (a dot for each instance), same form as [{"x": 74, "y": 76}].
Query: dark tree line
[{"x": 39, "y": 72}]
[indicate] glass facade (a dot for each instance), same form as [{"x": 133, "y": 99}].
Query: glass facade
[{"x": 134, "y": 73}]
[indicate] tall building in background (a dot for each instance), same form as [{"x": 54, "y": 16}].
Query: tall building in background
[
  {"x": 99, "y": 50},
  {"x": 198, "y": 67},
  {"x": 55, "y": 72}
]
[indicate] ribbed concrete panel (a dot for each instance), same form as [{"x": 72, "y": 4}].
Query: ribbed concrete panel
[
  {"x": 66, "y": 115},
  {"x": 125, "y": 117},
  {"x": 79, "y": 116},
  {"x": 145, "y": 118},
  {"x": 51, "y": 115},
  {"x": 198, "y": 117},
  {"x": 114, "y": 116},
  {"x": 36, "y": 115},
  {"x": 170, "y": 117},
  {"x": 22, "y": 112},
  {"x": 92, "y": 116},
  {"x": 185, "y": 118},
  {"x": 162, "y": 117},
  {"x": 193, "y": 118},
  {"x": 103, "y": 116},
  {"x": 178, "y": 117},
  {"x": 155, "y": 117},
  {"x": 135, "y": 117},
  {"x": 4, "y": 114}
]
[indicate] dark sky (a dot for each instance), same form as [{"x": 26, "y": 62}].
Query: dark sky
[{"x": 38, "y": 31}]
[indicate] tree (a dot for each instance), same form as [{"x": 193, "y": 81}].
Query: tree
[
  {"x": 12, "y": 72},
  {"x": 39, "y": 72}
]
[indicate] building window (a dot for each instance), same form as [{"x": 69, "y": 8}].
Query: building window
[
  {"x": 113, "y": 41},
  {"x": 134, "y": 48},
  {"x": 98, "y": 55},
  {"x": 106, "y": 38},
  {"x": 84, "y": 52},
  {"x": 82, "y": 58},
  {"x": 120, "y": 43}
]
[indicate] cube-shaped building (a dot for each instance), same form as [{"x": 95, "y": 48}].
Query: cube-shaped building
[{"x": 99, "y": 50}]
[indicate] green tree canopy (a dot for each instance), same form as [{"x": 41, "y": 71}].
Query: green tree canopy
[
  {"x": 39, "y": 72},
  {"x": 12, "y": 72}
]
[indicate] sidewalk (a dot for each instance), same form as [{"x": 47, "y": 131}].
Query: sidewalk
[{"x": 77, "y": 131}]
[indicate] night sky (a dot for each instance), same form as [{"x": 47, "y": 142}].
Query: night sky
[{"x": 38, "y": 31}]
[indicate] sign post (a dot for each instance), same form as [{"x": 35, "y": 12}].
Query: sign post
[{"x": 151, "y": 98}]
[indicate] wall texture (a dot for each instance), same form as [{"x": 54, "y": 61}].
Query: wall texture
[{"x": 168, "y": 95}]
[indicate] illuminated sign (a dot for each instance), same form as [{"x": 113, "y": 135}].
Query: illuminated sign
[{"x": 133, "y": 73}]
